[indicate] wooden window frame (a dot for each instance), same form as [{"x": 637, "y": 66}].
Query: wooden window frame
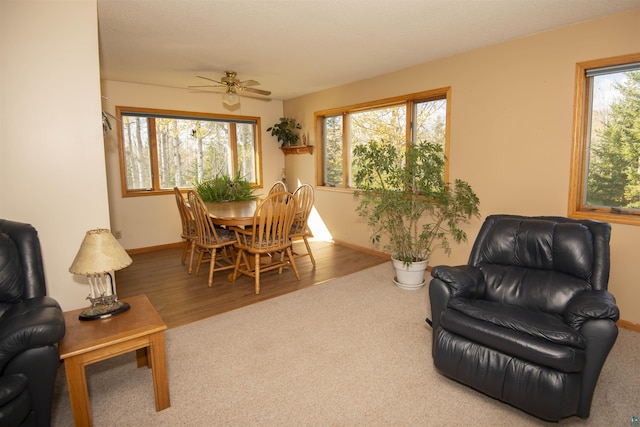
[
  {"x": 579, "y": 157},
  {"x": 156, "y": 190},
  {"x": 408, "y": 100}
]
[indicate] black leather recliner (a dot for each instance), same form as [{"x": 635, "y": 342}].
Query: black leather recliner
[
  {"x": 31, "y": 325},
  {"x": 528, "y": 320}
]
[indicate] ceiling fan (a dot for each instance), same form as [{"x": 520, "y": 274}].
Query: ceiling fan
[{"x": 233, "y": 86}]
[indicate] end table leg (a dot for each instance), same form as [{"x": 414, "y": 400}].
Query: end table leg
[
  {"x": 159, "y": 369},
  {"x": 141, "y": 358},
  {"x": 78, "y": 391}
]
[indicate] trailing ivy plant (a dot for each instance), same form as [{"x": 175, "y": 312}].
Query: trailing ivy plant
[
  {"x": 402, "y": 194},
  {"x": 224, "y": 189}
]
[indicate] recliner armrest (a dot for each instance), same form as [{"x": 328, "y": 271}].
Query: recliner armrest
[
  {"x": 463, "y": 281},
  {"x": 588, "y": 305},
  {"x": 35, "y": 322}
]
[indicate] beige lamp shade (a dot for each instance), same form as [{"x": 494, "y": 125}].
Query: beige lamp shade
[{"x": 99, "y": 253}]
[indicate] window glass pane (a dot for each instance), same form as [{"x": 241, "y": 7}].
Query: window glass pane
[
  {"x": 344, "y": 129},
  {"x": 613, "y": 169},
  {"x": 135, "y": 135},
  {"x": 215, "y": 145},
  {"x": 380, "y": 124},
  {"x": 332, "y": 146},
  {"x": 173, "y": 137},
  {"x": 430, "y": 121},
  {"x": 246, "y": 150},
  {"x": 163, "y": 150},
  {"x": 191, "y": 151}
]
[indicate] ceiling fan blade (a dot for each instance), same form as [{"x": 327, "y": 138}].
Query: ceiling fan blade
[
  {"x": 258, "y": 91},
  {"x": 249, "y": 83},
  {"x": 194, "y": 87},
  {"x": 211, "y": 80}
]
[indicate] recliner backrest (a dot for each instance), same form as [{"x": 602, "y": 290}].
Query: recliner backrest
[
  {"x": 541, "y": 262},
  {"x": 27, "y": 243}
]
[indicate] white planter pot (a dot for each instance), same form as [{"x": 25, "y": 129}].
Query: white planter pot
[{"x": 409, "y": 277}]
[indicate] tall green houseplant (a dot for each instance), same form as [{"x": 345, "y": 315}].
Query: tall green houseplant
[{"x": 402, "y": 194}]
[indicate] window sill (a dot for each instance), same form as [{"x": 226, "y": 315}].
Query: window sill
[{"x": 613, "y": 218}]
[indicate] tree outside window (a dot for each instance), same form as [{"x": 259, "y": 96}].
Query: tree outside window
[
  {"x": 606, "y": 184},
  {"x": 342, "y": 130},
  {"x": 160, "y": 150}
]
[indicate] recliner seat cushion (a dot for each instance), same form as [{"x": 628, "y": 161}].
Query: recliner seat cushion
[{"x": 542, "y": 338}]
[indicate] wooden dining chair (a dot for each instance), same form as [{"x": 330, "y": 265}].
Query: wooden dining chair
[
  {"x": 305, "y": 196},
  {"x": 209, "y": 239},
  {"x": 188, "y": 226},
  {"x": 278, "y": 186},
  {"x": 269, "y": 234}
]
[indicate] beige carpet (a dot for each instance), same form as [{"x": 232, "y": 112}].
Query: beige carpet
[{"x": 354, "y": 351}]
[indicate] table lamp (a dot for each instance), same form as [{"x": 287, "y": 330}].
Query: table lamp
[{"x": 99, "y": 256}]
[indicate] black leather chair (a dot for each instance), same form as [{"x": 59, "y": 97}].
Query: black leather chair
[
  {"x": 528, "y": 320},
  {"x": 31, "y": 325}
]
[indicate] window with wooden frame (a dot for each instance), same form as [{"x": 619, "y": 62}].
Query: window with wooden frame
[
  {"x": 161, "y": 149},
  {"x": 605, "y": 166},
  {"x": 399, "y": 120}
]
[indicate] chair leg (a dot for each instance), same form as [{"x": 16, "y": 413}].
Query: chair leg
[
  {"x": 257, "y": 273},
  {"x": 293, "y": 263},
  {"x": 193, "y": 249},
  {"x": 234, "y": 276},
  {"x": 282, "y": 253},
  {"x": 306, "y": 242},
  {"x": 212, "y": 267},
  {"x": 185, "y": 250},
  {"x": 200, "y": 256}
]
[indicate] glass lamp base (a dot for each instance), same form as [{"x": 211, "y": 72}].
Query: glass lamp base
[{"x": 104, "y": 311}]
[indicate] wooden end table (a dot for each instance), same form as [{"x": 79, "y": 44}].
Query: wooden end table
[{"x": 90, "y": 341}]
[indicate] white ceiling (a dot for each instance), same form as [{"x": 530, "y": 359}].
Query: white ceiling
[{"x": 295, "y": 47}]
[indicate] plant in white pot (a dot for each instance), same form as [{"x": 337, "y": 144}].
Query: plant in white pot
[{"x": 403, "y": 195}]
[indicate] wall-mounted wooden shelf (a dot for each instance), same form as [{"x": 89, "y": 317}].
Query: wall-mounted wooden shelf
[{"x": 297, "y": 149}]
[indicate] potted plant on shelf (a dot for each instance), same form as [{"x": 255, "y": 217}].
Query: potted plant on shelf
[
  {"x": 223, "y": 188},
  {"x": 403, "y": 195},
  {"x": 286, "y": 131}
]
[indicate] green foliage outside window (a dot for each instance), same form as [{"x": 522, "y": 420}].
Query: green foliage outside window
[
  {"x": 343, "y": 133},
  {"x": 162, "y": 151},
  {"x": 613, "y": 178}
]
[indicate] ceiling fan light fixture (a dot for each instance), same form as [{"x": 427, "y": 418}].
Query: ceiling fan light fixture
[{"x": 230, "y": 97}]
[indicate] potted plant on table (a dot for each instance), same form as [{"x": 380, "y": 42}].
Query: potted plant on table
[
  {"x": 403, "y": 195},
  {"x": 223, "y": 188},
  {"x": 286, "y": 131}
]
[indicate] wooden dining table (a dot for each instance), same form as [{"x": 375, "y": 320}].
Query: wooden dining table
[{"x": 238, "y": 213}]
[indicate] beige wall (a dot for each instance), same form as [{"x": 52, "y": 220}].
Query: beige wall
[
  {"x": 153, "y": 220},
  {"x": 511, "y": 134},
  {"x": 511, "y": 131},
  {"x": 52, "y": 171}
]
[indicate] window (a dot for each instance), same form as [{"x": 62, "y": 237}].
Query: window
[
  {"x": 161, "y": 149},
  {"x": 605, "y": 168},
  {"x": 342, "y": 129}
]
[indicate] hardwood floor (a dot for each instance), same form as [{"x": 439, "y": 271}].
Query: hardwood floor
[{"x": 181, "y": 298}]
